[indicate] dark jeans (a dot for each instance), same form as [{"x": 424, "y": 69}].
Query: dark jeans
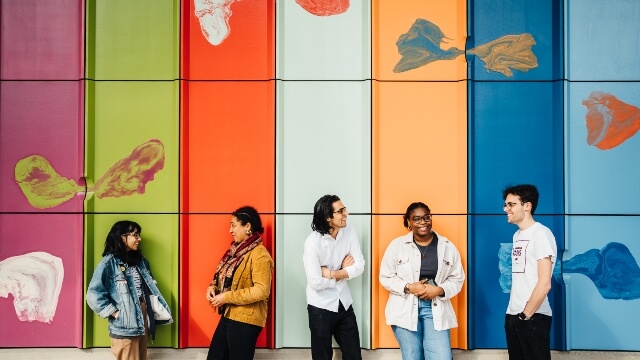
[
  {"x": 233, "y": 340},
  {"x": 342, "y": 325},
  {"x": 528, "y": 339}
]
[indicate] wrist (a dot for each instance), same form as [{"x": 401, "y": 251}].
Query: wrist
[
  {"x": 523, "y": 316},
  {"x": 406, "y": 289}
]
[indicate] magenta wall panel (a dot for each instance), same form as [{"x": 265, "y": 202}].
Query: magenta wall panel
[
  {"x": 41, "y": 40},
  {"x": 41, "y": 247}
]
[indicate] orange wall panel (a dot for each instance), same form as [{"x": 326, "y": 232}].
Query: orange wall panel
[
  {"x": 227, "y": 161},
  {"x": 391, "y": 19},
  {"x": 419, "y": 154},
  {"x": 246, "y": 53}
]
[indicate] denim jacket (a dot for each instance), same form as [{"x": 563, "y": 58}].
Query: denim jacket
[{"x": 112, "y": 288}]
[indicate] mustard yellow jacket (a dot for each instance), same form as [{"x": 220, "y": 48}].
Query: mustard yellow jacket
[{"x": 247, "y": 301}]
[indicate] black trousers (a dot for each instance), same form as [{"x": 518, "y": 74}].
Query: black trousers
[
  {"x": 233, "y": 340},
  {"x": 342, "y": 325},
  {"x": 528, "y": 339}
]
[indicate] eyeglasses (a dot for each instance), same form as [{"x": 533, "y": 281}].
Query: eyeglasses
[
  {"x": 137, "y": 236},
  {"x": 509, "y": 205},
  {"x": 341, "y": 211},
  {"x": 417, "y": 219}
]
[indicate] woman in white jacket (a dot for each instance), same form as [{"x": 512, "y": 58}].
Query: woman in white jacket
[{"x": 422, "y": 271}]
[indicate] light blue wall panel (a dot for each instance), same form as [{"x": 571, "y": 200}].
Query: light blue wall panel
[
  {"x": 515, "y": 134},
  {"x": 599, "y": 180},
  {"x": 490, "y": 20},
  {"x": 312, "y": 47},
  {"x": 323, "y": 147},
  {"x": 601, "y": 271},
  {"x": 602, "y": 39}
]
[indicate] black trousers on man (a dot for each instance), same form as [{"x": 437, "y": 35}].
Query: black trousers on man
[
  {"x": 528, "y": 339},
  {"x": 342, "y": 325}
]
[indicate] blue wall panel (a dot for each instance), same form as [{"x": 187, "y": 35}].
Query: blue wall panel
[{"x": 515, "y": 134}]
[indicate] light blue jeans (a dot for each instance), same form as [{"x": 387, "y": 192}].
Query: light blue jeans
[{"x": 425, "y": 343}]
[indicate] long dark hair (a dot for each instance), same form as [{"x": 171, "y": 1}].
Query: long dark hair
[
  {"x": 115, "y": 246},
  {"x": 322, "y": 211},
  {"x": 248, "y": 214}
]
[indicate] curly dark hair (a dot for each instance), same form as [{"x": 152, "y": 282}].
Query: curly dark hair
[
  {"x": 526, "y": 192},
  {"x": 248, "y": 214}
]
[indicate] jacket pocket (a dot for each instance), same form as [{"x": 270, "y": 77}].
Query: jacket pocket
[{"x": 404, "y": 268}]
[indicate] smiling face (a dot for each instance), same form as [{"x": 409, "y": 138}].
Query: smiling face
[
  {"x": 340, "y": 213},
  {"x": 514, "y": 208},
  {"x": 131, "y": 240},
  {"x": 420, "y": 222},
  {"x": 238, "y": 231}
]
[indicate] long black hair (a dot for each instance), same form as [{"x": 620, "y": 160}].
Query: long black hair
[
  {"x": 115, "y": 246},
  {"x": 248, "y": 214},
  {"x": 323, "y": 210}
]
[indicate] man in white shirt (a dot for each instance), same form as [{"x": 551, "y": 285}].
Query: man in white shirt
[
  {"x": 528, "y": 319},
  {"x": 332, "y": 256}
]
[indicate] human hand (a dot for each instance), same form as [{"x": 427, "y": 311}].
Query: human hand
[
  {"x": 348, "y": 261},
  {"x": 211, "y": 292},
  {"x": 429, "y": 292},
  {"x": 326, "y": 273},
  {"x": 115, "y": 314},
  {"x": 218, "y": 301}
]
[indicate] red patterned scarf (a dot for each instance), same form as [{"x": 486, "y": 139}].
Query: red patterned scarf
[{"x": 230, "y": 260}]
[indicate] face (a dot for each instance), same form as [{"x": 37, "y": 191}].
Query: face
[
  {"x": 417, "y": 222},
  {"x": 132, "y": 240},
  {"x": 237, "y": 230},
  {"x": 514, "y": 208},
  {"x": 340, "y": 214}
]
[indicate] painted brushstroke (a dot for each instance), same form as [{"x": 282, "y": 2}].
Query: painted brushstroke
[
  {"x": 41, "y": 183},
  {"x": 504, "y": 265},
  {"x": 610, "y": 122},
  {"x": 324, "y": 7},
  {"x": 510, "y": 52},
  {"x": 613, "y": 270},
  {"x": 45, "y": 188},
  {"x": 214, "y": 19},
  {"x": 131, "y": 174},
  {"x": 34, "y": 280},
  {"x": 421, "y": 46}
]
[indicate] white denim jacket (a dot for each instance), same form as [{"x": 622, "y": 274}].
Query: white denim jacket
[{"x": 401, "y": 265}]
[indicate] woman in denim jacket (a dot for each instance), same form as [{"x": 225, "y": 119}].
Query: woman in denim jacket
[{"x": 120, "y": 290}]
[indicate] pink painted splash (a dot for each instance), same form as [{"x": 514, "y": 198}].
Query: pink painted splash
[
  {"x": 34, "y": 280},
  {"x": 610, "y": 122},
  {"x": 324, "y": 7},
  {"x": 44, "y": 187},
  {"x": 131, "y": 174}
]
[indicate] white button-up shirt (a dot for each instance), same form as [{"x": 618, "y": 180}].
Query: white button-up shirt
[{"x": 323, "y": 250}]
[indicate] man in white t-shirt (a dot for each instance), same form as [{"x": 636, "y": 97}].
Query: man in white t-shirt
[
  {"x": 528, "y": 320},
  {"x": 332, "y": 256}
]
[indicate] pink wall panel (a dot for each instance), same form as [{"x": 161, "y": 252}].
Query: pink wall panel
[
  {"x": 41, "y": 39},
  {"x": 59, "y": 235},
  {"x": 41, "y": 118}
]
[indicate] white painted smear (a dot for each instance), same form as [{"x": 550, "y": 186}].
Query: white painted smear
[
  {"x": 34, "y": 280},
  {"x": 214, "y": 19}
]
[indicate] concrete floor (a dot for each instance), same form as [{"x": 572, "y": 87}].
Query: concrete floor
[{"x": 286, "y": 354}]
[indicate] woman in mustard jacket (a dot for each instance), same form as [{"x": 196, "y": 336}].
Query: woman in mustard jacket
[{"x": 240, "y": 289}]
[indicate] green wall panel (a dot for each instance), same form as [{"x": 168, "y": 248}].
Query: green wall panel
[
  {"x": 132, "y": 173},
  {"x": 133, "y": 39}
]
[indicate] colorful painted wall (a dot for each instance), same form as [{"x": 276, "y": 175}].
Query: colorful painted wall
[{"x": 174, "y": 113}]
